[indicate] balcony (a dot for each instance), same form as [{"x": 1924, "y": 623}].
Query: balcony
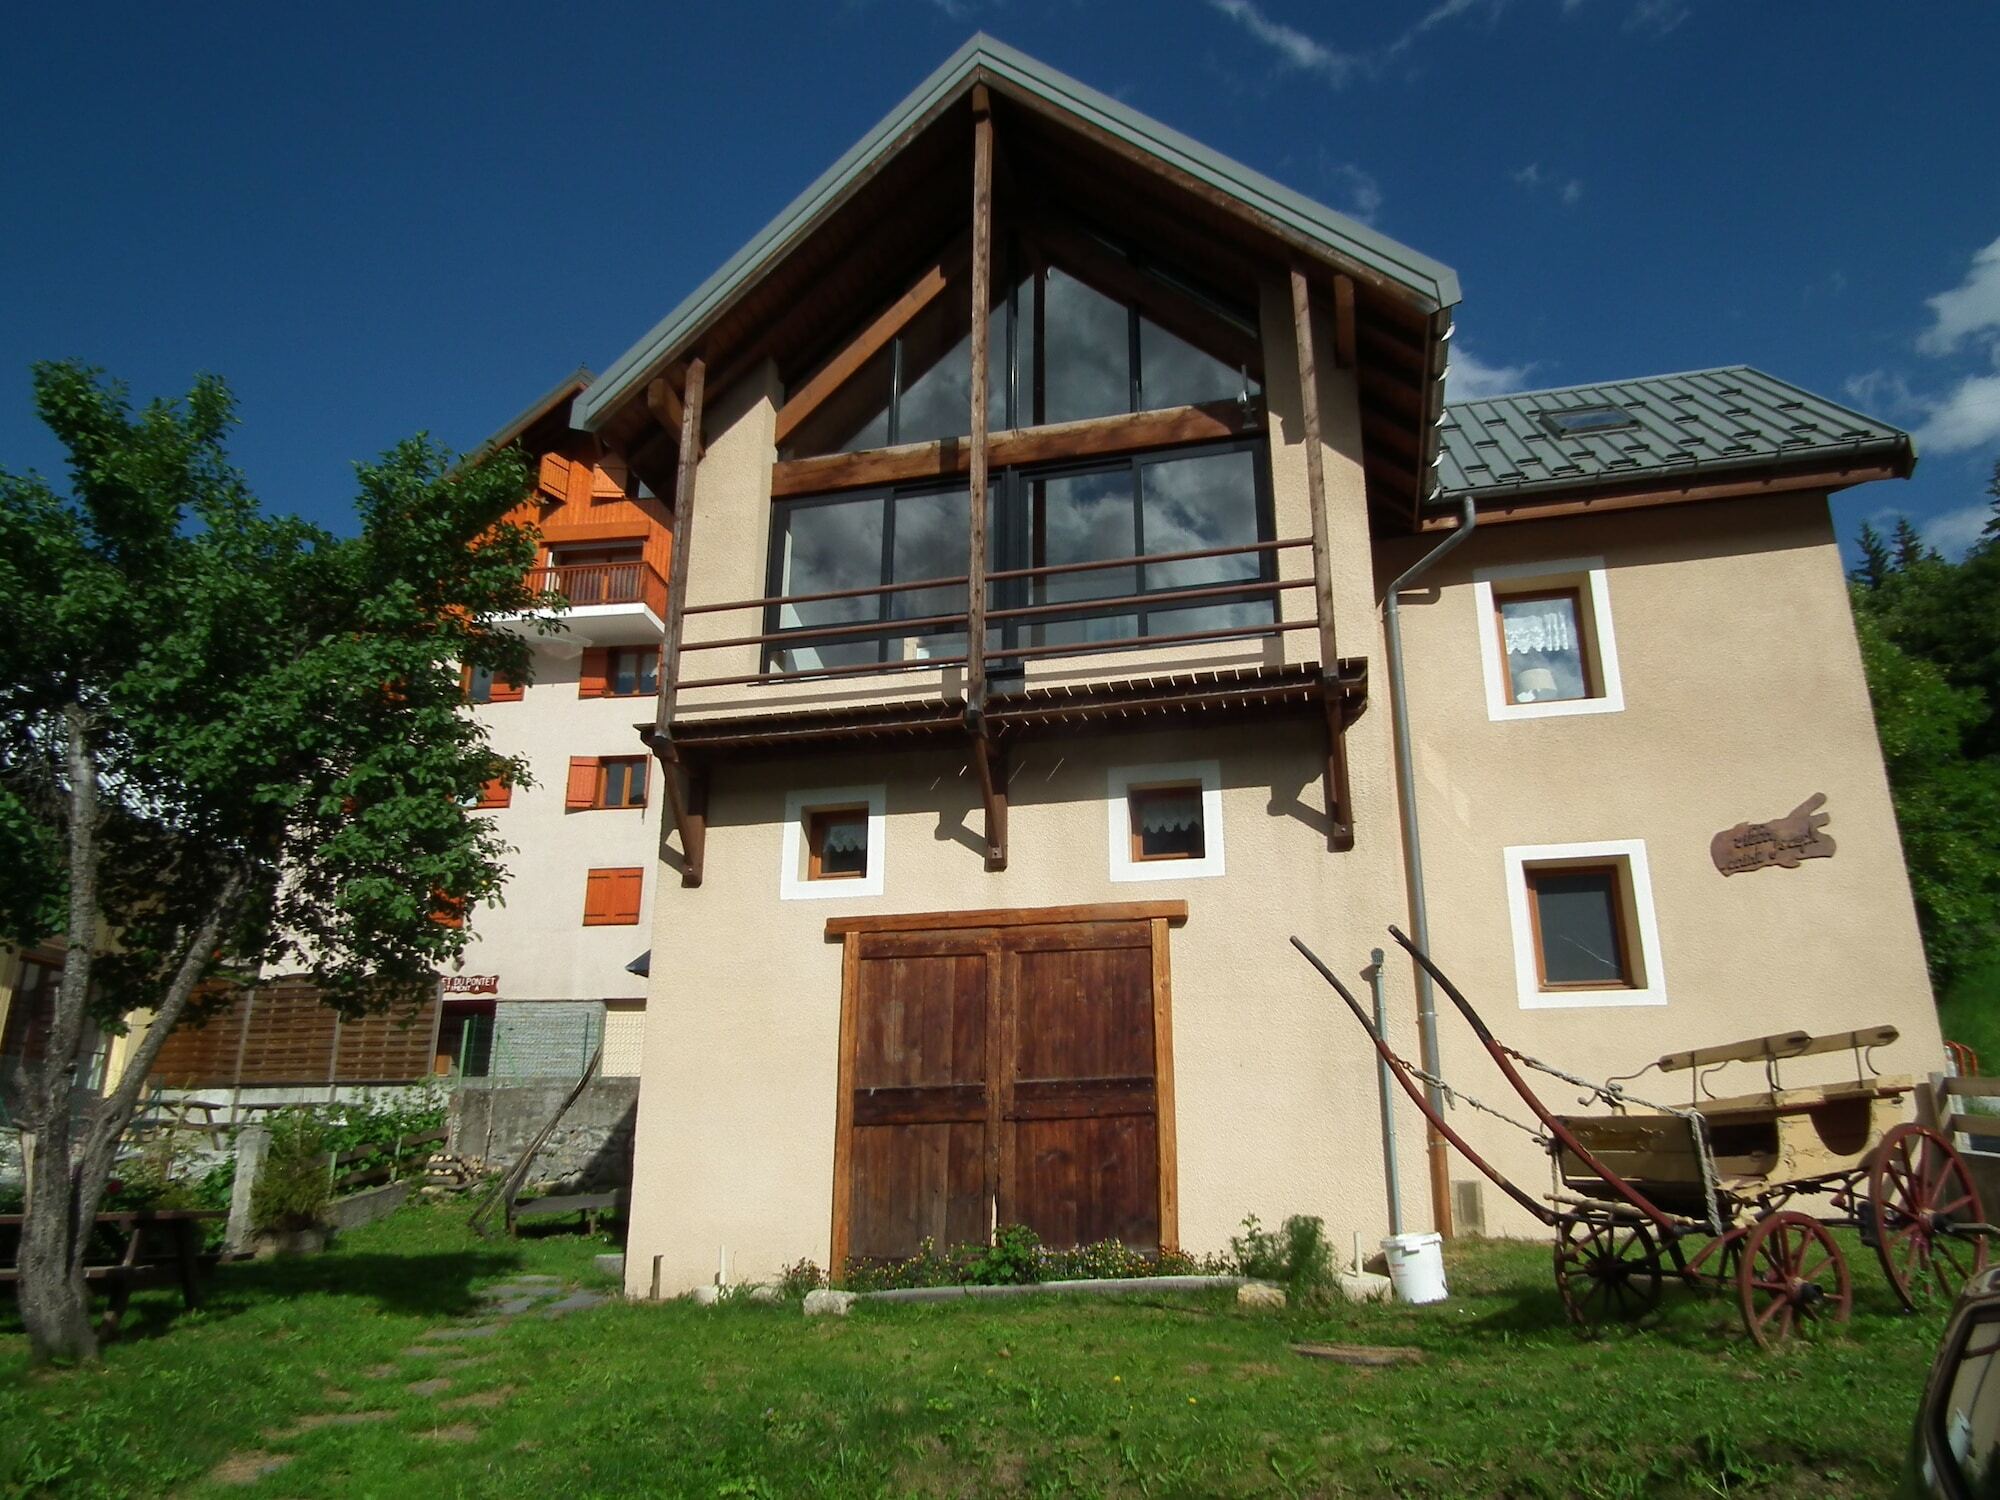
[{"x": 609, "y": 604}]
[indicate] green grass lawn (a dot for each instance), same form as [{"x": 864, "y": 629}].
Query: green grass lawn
[{"x": 1152, "y": 1395}]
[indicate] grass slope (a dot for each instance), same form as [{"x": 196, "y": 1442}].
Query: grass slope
[{"x": 1154, "y": 1395}]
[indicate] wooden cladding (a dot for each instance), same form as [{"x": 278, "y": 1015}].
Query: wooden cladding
[
  {"x": 283, "y": 1034},
  {"x": 1019, "y": 1072},
  {"x": 611, "y": 897},
  {"x": 1097, "y": 437}
]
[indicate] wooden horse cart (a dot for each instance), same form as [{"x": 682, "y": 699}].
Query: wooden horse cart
[{"x": 1715, "y": 1192}]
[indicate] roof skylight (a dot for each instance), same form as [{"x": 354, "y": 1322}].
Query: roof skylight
[{"x": 1585, "y": 421}]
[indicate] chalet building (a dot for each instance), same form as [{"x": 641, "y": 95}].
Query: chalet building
[{"x": 1065, "y": 520}]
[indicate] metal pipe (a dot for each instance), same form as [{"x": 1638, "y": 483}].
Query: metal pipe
[
  {"x": 1413, "y": 849},
  {"x": 1385, "y": 1084}
]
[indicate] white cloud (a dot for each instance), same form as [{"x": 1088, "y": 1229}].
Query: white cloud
[
  {"x": 1656, "y": 16},
  {"x": 1437, "y": 15},
  {"x": 1882, "y": 391},
  {"x": 1967, "y": 418},
  {"x": 1973, "y": 307},
  {"x": 1954, "y": 532},
  {"x": 1572, "y": 192},
  {"x": 1534, "y": 179},
  {"x": 1470, "y": 378},
  {"x": 1361, "y": 192},
  {"x": 1295, "y": 49},
  {"x": 1529, "y": 176}
]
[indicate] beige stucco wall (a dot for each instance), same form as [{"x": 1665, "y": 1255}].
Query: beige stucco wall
[
  {"x": 1743, "y": 695},
  {"x": 1277, "y": 1109},
  {"x": 537, "y": 943}
]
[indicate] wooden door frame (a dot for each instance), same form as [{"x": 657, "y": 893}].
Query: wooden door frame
[{"x": 1157, "y": 916}]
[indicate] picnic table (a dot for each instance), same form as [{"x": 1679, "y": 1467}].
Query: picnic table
[{"x": 162, "y": 1248}]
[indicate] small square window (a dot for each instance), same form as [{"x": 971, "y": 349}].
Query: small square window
[
  {"x": 837, "y": 843},
  {"x": 1578, "y": 916},
  {"x": 1544, "y": 646},
  {"x": 622, "y": 781},
  {"x": 1167, "y": 822},
  {"x": 634, "y": 672},
  {"x": 1545, "y": 639}
]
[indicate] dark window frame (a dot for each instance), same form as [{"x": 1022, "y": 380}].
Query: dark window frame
[
  {"x": 818, "y": 821},
  {"x": 646, "y": 655},
  {"x": 1622, "y": 926},
  {"x": 1586, "y": 639},
  {"x": 627, "y": 762},
  {"x": 1135, "y": 800},
  {"x": 1014, "y": 543}
]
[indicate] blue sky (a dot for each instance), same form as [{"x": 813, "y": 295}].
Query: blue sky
[{"x": 379, "y": 219}]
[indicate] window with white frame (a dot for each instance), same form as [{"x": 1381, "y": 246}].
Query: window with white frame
[
  {"x": 1165, "y": 821},
  {"x": 1546, "y": 640},
  {"x": 833, "y": 843},
  {"x": 1584, "y": 929}
]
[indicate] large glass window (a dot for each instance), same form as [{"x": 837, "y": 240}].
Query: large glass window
[
  {"x": 1578, "y": 921},
  {"x": 1186, "y": 500},
  {"x": 1060, "y": 349}
]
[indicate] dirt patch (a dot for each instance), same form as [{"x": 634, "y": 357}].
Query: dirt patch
[
  {"x": 435, "y": 1387},
  {"x": 247, "y": 1468},
  {"x": 313, "y": 1421},
  {"x": 1257, "y": 1370},
  {"x": 458, "y": 1432},
  {"x": 484, "y": 1400},
  {"x": 381, "y": 1372},
  {"x": 335, "y": 1393},
  {"x": 466, "y": 1364},
  {"x": 1196, "y": 1367}
]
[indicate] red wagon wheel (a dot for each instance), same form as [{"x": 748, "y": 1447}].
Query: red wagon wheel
[
  {"x": 1788, "y": 1259},
  {"x": 1606, "y": 1271},
  {"x": 1918, "y": 1187}
]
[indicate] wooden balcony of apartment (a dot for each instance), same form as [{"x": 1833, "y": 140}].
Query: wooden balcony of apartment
[{"x": 620, "y": 603}]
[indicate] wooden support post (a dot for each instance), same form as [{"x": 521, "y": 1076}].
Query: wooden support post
[
  {"x": 1339, "y": 809},
  {"x": 689, "y": 799},
  {"x": 990, "y": 762},
  {"x": 665, "y": 403},
  {"x": 982, "y": 277}
]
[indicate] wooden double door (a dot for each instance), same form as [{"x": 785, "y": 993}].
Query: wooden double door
[{"x": 1005, "y": 1068}]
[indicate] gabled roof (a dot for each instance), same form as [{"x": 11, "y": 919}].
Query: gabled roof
[
  {"x": 1700, "y": 422},
  {"x": 1428, "y": 283},
  {"x": 562, "y": 391}
]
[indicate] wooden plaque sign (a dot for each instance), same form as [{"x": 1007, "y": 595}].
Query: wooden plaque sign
[
  {"x": 1800, "y": 834},
  {"x": 472, "y": 984}
]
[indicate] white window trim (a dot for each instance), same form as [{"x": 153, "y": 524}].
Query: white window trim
[
  {"x": 1527, "y": 979},
  {"x": 1118, "y": 816},
  {"x": 1597, "y": 584},
  {"x": 792, "y": 882}
]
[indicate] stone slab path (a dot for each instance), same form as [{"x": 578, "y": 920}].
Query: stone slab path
[{"x": 441, "y": 1356}]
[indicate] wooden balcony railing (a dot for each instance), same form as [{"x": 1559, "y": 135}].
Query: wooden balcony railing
[
  {"x": 582, "y": 584},
  {"x": 1003, "y": 618}
]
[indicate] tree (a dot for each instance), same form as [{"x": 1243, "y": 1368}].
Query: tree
[
  {"x": 1930, "y": 644},
  {"x": 228, "y": 740}
]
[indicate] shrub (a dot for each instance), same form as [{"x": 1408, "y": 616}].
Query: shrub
[
  {"x": 1295, "y": 1255},
  {"x": 1013, "y": 1259},
  {"x": 800, "y": 1277},
  {"x": 293, "y": 1189}
]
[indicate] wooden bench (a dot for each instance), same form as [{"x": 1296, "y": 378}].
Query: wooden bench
[
  {"x": 139, "y": 1268},
  {"x": 590, "y": 1205}
]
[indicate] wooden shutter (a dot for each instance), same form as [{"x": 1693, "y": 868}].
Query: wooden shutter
[
  {"x": 505, "y": 691},
  {"x": 594, "y": 681},
  {"x": 611, "y": 897},
  {"x": 496, "y": 793},
  {"x": 582, "y": 790},
  {"x": 607, "y": 482},
  {"x": 553, "y": 478},
  {"x": 579, "y": 485}
]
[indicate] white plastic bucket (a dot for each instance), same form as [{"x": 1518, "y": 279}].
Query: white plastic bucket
[{"x": 1416, "y": 1266}]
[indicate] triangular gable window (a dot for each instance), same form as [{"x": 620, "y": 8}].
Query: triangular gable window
[{"x": 1064, "y": 346}]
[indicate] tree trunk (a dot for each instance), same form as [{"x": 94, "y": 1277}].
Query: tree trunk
[{"x": 55, "y": 1302}]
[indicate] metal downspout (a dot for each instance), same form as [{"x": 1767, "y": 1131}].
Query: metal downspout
[{"x": 1413, "y": 853}]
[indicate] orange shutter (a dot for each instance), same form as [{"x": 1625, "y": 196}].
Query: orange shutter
[
  {"x": 594, "y": 680},
  {"x": 553, "y": 480},
  {"x": 505, "y": 691},
  {"x": 496, "y": 793},
  {"x": 611, "y": 897},
  {"x": 579, "y": 486},
  {"x": 582, "y": 782},
  {"x": 608, "y": 481},
  {"x": 447, "y": 911}
]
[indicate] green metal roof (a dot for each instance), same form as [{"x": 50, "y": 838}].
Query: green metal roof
[
  {"x": 1430, "y": 283},
  {"x": 1660, "y": 426}
]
